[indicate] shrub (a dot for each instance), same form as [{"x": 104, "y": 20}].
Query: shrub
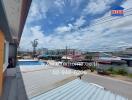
[
  {"x": 118, "y": 71},
  {"x": 130, "y": 75},
  {"x": 121, "y": 72},
  {"x": 110, "y": 69},
  {"x": 92, "y": 68}
]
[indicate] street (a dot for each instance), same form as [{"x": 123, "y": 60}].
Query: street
[{"x": 116, "y": 86}]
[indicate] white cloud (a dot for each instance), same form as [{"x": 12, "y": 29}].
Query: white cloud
[
  {"x": 127, "y": 4},
  {"x": 109, "y": 35},
  {"x": 63, "y": 29},
  {"x": 34, "y": 9},
  {"x": 76, "y": 4},
  {"x": 39, "y": 10},
  {"x": 59, "y": 3},
  {"x": 29, "y": 35},
  {"x": 37, "y": 33},
  {"x": 104, "y": 36},
  {"x": 79, "y": 22},
  {"x": 97, "y": 6},
  {"x": 51, "y": 41},
  {"x": 34, "y": 13},
  {"x": 73, "y": 3},
  {"x": 93, "y": 38}
]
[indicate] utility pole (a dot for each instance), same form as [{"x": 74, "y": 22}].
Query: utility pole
[
  {"x": 34, "y": 45},
  {"x": 66, "y": 53},
  {"x": 73, "y": 54}
]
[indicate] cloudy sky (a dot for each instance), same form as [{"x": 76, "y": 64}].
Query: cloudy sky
[{"x": 79, "y": 24}]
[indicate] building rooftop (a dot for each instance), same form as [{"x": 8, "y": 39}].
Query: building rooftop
[
  {"x": 78, "y": 90},
  {"x": 39, "y": 80}
]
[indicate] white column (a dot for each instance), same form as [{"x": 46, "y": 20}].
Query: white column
[{"x": 6, "y": 55}]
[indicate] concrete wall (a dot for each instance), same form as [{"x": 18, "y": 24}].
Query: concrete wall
[{"x": 2, "y": 40}]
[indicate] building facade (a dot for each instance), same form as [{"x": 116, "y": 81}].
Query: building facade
[{"x": 12, "y": 19}]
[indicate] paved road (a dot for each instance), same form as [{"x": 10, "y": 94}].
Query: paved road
[{"x": 117, "y": 86}]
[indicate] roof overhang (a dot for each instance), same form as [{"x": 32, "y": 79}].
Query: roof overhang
[
  {"x": 4, "y": 24},
  {"x": 16, "y": 12}
]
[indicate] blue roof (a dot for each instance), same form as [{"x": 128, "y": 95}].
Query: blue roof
[
  {"x": 116, "y": 7},
  {"x": 120, "y": 1},
  {"x": 78, "y": 90}
]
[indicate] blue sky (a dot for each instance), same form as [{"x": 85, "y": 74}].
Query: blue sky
[{"x": 79, "y": 24}]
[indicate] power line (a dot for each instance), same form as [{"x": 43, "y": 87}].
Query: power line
[
  {"x": 110, "y": 20},
  {"x": 127, "y": 10},
  {"x": 110, "y": 17},
  {"x": 106, "y": 22}
]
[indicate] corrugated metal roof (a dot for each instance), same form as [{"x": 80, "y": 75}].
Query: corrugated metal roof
[{"x": 78, "y": 90}]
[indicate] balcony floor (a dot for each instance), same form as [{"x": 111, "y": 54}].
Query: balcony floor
[
  {"x": 28, "y": 83},
  {"x": 14, "y": 89}
]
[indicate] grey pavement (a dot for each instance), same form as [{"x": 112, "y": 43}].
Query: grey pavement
[{"x": 117, "y": 86}]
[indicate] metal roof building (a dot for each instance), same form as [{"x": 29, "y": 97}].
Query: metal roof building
[{"x": 78, "y": 90}]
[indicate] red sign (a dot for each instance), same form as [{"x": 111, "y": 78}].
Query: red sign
[{"x": 117, "y": 12}]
